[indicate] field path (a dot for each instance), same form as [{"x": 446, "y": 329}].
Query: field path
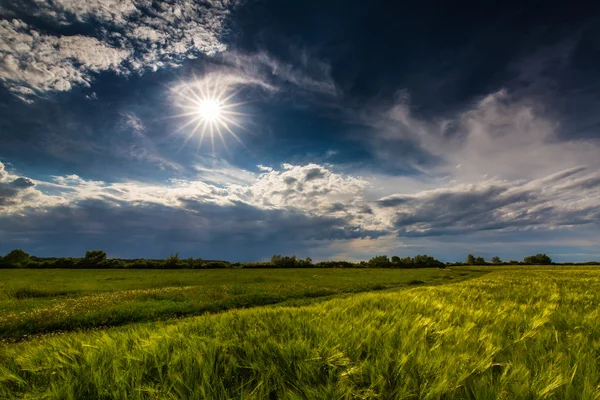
[{"x": 87, "y": 302}]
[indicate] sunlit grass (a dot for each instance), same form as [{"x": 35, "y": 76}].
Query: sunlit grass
[
  {"x": 82, "y": 299},
  {"x": 506, "y": 335}
]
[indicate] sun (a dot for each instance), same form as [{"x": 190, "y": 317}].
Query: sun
[{"x": 208, "y": 111}]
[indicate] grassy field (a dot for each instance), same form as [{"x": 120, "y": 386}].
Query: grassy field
[
  {"x": 511, "y": 334},
  {"x": 44, "y": 301}
]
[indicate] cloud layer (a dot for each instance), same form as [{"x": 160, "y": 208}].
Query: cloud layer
[
  {"x": 293, "y": 207},
  {"x": 128, "y": 36},
  {"x": 275, "y": 209},
  {"x": 564, "y": 200}
]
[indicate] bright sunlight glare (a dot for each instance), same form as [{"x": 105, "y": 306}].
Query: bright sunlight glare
[{"x": 209, "y": 111}]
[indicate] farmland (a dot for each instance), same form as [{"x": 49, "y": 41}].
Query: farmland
[
  {"x": 47, "y": 301},
  {"x": 508, "y": 332}
]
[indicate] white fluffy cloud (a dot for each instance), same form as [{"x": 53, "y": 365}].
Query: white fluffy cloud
[
  {"x": 310, "y": 189},
  {"x": 253, "y": 213},
  {"x": 564, "y": 199},
  {"x": 18, "y": 194},
  {"x": 32, "y": 62},
  {"x": 133, "y": 35},
  {"x": 107, "y": 10}
]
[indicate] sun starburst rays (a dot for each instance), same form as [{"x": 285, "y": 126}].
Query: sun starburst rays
[{"x": 208, "y": 112}]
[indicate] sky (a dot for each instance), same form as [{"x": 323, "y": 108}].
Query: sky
[{"x": 334, "y": 130}]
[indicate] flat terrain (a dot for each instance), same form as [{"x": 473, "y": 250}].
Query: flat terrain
[
  {"x": 45, "y": 301},
  {"x": 513, "y": 333}
]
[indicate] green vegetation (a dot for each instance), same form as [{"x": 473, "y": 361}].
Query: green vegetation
[
  {"x": 16, "y": 257},
  {"x": 514, "y": 333},
  {"x": 95, "y": 256},
  {"x": 98, "y": 259},
  {"x": 34, "y": 301},
  {"x": 419, "y": 261},
  {"x": 538, "y": 259}
]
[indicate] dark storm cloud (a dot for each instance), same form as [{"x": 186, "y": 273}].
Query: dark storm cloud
[
  {"x": 22, "y": 183},
  {"x": 10, "y": 190},
  {"x": 208, "y": 228},
  {"x": 365, "y": 210},
  {"x": 252, "y": 219},
  {"x": 314, "y": 173},
  {"x": 487, "y": 207},
  {"x": 337, "y": 207},
  {"x": 289, "y": 180},
  {"x": 393, "y": 201}
]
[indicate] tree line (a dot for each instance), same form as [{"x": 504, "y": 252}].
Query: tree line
[
  {"x": 538, "y": 259},
  {"x": 18, "y": 258}
]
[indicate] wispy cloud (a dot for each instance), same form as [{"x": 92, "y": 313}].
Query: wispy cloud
[
  {"x": 499, "y": 165},
  {"x": 307, "y": 73},
  {"x": 140, "y": 146},
  {"x": 500, "y": 136},
  {"x": 264, "y": 168},
  {"x": 220, "y": 172},
  {"x": 235, "y": 69}
]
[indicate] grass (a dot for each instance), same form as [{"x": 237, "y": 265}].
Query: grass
[
  {"x": 511, "y": 334},
  {"x": 36, "y": 302}
]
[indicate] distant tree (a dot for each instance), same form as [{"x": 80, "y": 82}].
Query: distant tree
[
  {"x": 172, "y": 261},
  {"x": 16, "y": 256},
  {"x": 424, "y": 261},
  {"x": 538, "y": 259},
  {"x": 379, "y": 262},
  {"x": 470, "y": 259},
  {"x": 290, "y": 262},
  {"x": 406, "y": 260},
  {"x": 396, "y": 259},
  {"x": 336, "y": 264},
  {"x": 95, "y": 256},
  {"x": 479, "y": 260},
  {"x": 496, "y": 260}
]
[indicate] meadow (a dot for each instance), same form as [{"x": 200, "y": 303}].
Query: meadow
[
  {"x": 42, "y": 301},
  {"x": 510, "y": 333}
]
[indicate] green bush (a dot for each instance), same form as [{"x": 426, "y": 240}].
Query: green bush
[
  {"x": 538, "y": 259},
  {"x": 95, "y": 256},
  {"x": 16, "y": 257}
]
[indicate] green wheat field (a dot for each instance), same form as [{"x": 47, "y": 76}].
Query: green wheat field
[{"x": 455, "y": 333}]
